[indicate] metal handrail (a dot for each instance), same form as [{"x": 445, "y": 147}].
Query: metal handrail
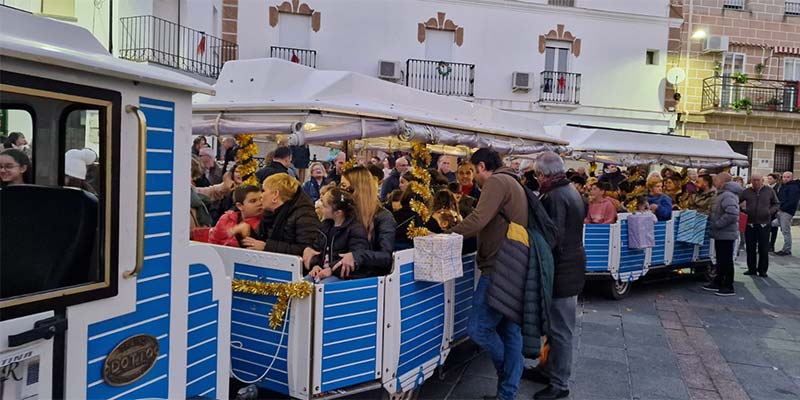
[
  {"x": 731, "y": 92},
  {"x": 140, "y": 194},
  {"x": 441, "y": 77},
  {"x": 305, "y": 57}
]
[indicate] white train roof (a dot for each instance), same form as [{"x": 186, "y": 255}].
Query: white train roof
[
  {"x": 261, "y": 86},
  {"x": 34, "y": 38},
  {"x": 636, "y": 148}
]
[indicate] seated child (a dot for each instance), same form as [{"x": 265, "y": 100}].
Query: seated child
[
  {"x": 394, "y": 200},
  {"x": 445, "y": 210},
  {"x": 235, "y": 225},
  {"x": 318, "y": 203},
  {"x": 341, "y": 233}
]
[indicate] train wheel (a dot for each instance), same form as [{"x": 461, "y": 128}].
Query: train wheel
[
  {"x": 412, "y": 394},
  {"x": 617, "y": 290}
]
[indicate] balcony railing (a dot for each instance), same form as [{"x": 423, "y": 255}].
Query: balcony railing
[
  {"x": 560, "y": 87},
  {"x": 734, "y": 4},
  {"x": 147, "y": 38},
  {"x": 562, "y": 3},
  {"x": 792, "y": 8},
  {"x": 300, "y": 56},
  {"x": 440, "y": 77},
  {"x": 728, "y": 93}
]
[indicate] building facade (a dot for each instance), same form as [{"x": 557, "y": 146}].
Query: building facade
[
  {"x": 741, "y": 60},
  {"x": 591, "y": 62}
]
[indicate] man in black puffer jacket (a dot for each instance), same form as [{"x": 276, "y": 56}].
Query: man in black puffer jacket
[{"x": 566, "y": 209}]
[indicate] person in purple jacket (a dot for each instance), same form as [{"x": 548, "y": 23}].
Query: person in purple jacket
[{"x": 660, "y": 204}]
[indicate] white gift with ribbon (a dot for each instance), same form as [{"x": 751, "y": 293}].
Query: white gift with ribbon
[{"x": 437, "y": 258}]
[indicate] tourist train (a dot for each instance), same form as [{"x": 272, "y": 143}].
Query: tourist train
[{"x": 103, "y": 295}]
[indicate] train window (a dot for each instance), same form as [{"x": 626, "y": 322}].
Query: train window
[{"x": 55, "y": 242}]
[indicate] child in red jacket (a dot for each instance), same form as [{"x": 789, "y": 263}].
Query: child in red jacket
[{"x": 238, "y": 224}]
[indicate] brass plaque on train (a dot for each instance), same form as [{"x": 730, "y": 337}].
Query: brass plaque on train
[{"x": 130, "y": 360}]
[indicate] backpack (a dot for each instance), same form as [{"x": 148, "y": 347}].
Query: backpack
[{"x": 538, "y": 219}]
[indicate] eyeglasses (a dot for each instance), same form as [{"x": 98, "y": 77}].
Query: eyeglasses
[{"x": 9, "y": 166}]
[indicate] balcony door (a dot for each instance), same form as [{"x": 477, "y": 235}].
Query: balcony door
[
  {"x": 439, "y": 45},
  {"x": 556, "y": 81},
  {"x": 733, "y": 63}
]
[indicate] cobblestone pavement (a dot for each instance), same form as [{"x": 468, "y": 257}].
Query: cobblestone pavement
[
  {"x": 671, "y": 340},
  {"x": 668, "y": 339}
]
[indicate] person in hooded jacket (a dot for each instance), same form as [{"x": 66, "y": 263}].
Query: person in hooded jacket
[
  {"x": 290, "y": 223},
  {"x": 724, "y": 224}
]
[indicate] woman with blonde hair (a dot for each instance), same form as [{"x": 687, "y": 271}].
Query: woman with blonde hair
[
  {"x": 660, "y": 204},
  {"x": 379, "y": 223},
  {"x": 290, "y": 223}
]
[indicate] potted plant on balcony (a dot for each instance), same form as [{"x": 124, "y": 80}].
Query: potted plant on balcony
[
  {"x": 743, "y": 104},
  {"x": 740, "y": 78}
]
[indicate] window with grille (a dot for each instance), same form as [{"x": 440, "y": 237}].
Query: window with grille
[
  {"x": 784, "y": 158},
  {"x": 734, "y": 4},
  {"x": 562, "y": 3},
  {"x": 791, "y": 69}
]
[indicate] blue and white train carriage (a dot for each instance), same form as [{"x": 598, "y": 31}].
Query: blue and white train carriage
[
  {"x": 389, "y": 331},
  {"x": 608, "y": 257},
  {"x": 101, "y": 294}
]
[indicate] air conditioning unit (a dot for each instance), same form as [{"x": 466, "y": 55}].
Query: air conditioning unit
[
  {"x": 521, "y": 81},
  {"x": 389, "y": 70},
  {"x": 715, "y": 44}
]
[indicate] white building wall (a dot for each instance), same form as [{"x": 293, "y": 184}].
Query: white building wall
[{"x": 500, "y": 37}]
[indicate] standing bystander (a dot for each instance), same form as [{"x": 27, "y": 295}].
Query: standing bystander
[
  {"x": 724, "y": 224},
  {"x": 760, "y": 204},
  {"x": 566, "y": 209},
  {"x": 789, "y": 196}
]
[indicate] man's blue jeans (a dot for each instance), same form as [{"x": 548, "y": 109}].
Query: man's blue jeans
[{"x": 499, "y": 336}]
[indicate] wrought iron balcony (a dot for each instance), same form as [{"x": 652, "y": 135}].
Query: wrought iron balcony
[
  {"x": 300, "y": 56},
  {"x": 740, "y": 93},
  {"x": 440, "y": 77},
  {"x": 147, "y": 38},
  {"x": 560, "y": 88},
  {"x": 792, "y": 8},
  {"x": 734, "y": 4}
]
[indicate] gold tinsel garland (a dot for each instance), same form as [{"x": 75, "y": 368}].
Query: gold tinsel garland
[
  {"x": 283, "y": 291},
  {"x": 420, "y": 158},
  {"x": 247, "y": 164},
  {"x": 349, "y": 164}
]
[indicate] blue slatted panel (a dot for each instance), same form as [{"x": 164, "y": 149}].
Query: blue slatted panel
[
  {"x": 597, "y": 242},
  {"x": 201, "y": 351},
  {"x": 682, "y": 252},
  {"x": 705, "y": 248},
  {"x": 153, "y": 284},
  {"x": 464, "y": 288},
  {"x": 349, "y": 333},
  {"x": 631, "y": 264},
  {"x": 661, "y": 243},
  {"x": 260, "y": 345},
  {"x": 422, "y": 307}
]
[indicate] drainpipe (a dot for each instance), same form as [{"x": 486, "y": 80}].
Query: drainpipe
[
  {"x": 688, "y": 51},
  {"x": 111, "y": 26}
]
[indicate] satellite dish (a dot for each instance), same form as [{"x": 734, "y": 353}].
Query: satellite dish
[{"x": 676, "y": 75}]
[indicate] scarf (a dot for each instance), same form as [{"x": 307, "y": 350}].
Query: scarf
[{"x": 546, "y": 182}]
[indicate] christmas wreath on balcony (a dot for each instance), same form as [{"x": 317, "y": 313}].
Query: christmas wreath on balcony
[{"x": 443, "y": 68}]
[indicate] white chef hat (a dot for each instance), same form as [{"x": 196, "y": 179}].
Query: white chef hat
[{"x": 76, "y": 160}]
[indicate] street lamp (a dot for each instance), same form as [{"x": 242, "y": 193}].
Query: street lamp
[{"x": 699, "y": 35}]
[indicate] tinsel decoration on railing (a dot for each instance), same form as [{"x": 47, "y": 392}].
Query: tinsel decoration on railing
[
  {"x": 420, "y": 158},
  {"x": 247, "y": 164},
  {"x": 283, "y": 292}
]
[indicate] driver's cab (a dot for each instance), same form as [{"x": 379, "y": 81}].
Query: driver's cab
[{"x": 95, "y": 285}]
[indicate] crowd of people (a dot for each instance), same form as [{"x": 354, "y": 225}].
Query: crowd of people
[{"x": 346, "y": 218}]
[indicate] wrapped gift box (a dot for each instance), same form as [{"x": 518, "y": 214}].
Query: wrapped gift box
[{"x": 437, "y": 258}]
